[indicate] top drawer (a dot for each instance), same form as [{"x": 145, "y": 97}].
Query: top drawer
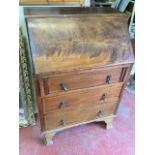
[{"x": 78, "y": 80}]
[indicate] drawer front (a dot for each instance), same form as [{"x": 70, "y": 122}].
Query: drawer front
[
  {"x": 33, "y": 1},
  {"x": 72, "y": 0},
  {"x": 73, "y": 81},
  {"x": 77, "y": 115},
  {"x": 62, "y": 1},
  {"x": 56, "y": 1},
  {"x": 83, "y": 97}
]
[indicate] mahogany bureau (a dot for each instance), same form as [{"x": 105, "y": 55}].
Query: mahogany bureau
[{"x": 82, "y": 58}]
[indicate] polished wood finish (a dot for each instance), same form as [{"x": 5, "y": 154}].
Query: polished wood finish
[
  {"x": 73, "y": 42},
  {"x": 89, "y": 96},
  {"x": 48, "y": 2},
  {"x": 65, "y": 2},
  {"x": 50, "y": 11},
  {"x": 80, "y": 68},
  {"x": 73, "y": 81},
  {"x": 26, "y": 2},
  {"x": 48, "y": 135},
  {"x": 73, "y": 115}
]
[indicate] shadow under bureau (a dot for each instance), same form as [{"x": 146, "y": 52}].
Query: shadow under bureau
[{"x": 82, "y": 58}]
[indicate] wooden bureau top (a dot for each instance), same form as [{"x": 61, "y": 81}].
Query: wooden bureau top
[{"x": 70, "y": 41}]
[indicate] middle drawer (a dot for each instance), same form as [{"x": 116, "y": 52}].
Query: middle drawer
[
  {"x": 84, "y": 79},
  {"x": 106, "y": 93}
]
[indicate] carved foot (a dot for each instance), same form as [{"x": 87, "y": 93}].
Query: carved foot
[
  {"x": 108, "y": 122},
  {"x": 47, "y": 140}
]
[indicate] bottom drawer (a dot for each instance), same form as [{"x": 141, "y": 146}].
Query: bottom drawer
[{"x": 71, "y": 115}]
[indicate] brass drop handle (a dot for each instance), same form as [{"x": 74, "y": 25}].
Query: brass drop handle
[
  {"x": 104, "y": 96},
  {"x": 63, "y": 86},
  {"x": 62, "y": 122},
  {"x": 100, "y": 113},
  {"x": 109, "y": 77},
  {"x": 62, "y": 104}
]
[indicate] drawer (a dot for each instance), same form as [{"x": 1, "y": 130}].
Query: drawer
[
  {"x": 72, "y": 1},
  {"x": 78, "y": 80},
  {"x": 77, "y": 115},
  {"x": 33, "y": 1},
  {"x": 62, "y": 1},
  {"x": 109, "y": 93}
]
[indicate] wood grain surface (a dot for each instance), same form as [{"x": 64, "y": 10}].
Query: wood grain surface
[
  {"x": 80, "y": 48},
  {"x": 23, "y": 2},
  {"x": 77, "y": 115},
  {"x": 81, "y": 80},
  {"x": 50, "y": 11},
  {"x": 47, "y": 2},
  {"x": 82, "y": 98},
  {"x": 73, "y": 42}
]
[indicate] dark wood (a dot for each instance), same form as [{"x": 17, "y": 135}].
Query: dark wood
[
  {"x": 128, "y": 71},
  {"x": 133, "y": 45},
  {"x": 39, "y": 101},
  {"x": 82, "y": 59},
  {"x": 40, "y": 11}
]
